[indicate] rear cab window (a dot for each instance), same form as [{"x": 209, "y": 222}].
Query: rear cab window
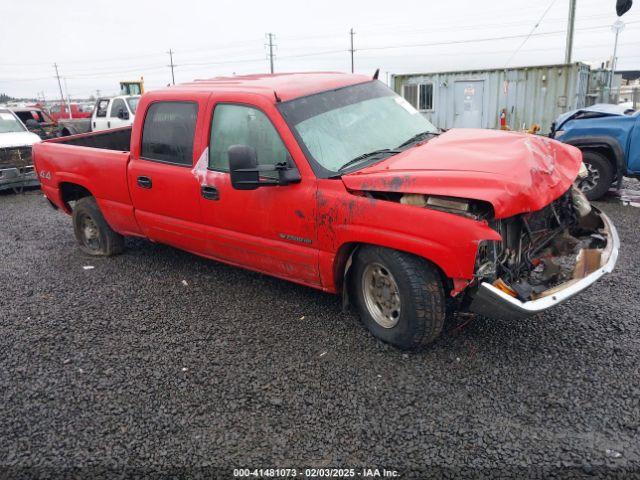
[{"x": 168, "y": 132}]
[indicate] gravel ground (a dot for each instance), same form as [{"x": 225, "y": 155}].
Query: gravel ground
[{"x": 158, "y": 361}]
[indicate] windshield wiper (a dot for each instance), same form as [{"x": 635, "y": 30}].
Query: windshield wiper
[
  {"x": 416, "y": 137},
  {"x": 364, "y": 156}
]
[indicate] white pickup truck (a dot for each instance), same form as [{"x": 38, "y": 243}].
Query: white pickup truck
[
  {"x": 16, "y": 165},
  {"x": 108, "y": 113}
]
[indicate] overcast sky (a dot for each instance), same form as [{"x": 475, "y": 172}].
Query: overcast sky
[{"x": 97, "y": 43}]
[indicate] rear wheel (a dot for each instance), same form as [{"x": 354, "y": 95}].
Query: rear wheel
[
  {"x": 93, "y": 233},
  {"x": 600, "y": 175},
  {"x": 399, "y": 296}
]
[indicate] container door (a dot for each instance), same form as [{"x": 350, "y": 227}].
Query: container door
[{"x": 468, "y": 104}]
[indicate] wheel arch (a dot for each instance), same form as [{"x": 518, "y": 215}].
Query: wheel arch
[
  {"x": 71, "y": 191},
  {"x": 66, "y": 131},
  {"x": 609, "y": 148},
  {"x": 344, "y": 258}
]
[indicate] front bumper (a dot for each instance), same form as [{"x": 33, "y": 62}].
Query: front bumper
[
  {"x": 495, "y": 303},
  {"x": 15, "y": 177}
]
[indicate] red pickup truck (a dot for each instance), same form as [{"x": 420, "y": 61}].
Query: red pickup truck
[{"x": 335, "y": 182}]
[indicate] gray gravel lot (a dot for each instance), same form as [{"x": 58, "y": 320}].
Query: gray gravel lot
[{"x": 125, "y": 366}]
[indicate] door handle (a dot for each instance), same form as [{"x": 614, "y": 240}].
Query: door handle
[
  {"x": 144, "y": 182},
  {"x": 109, "y": 124},
  {"x": 210, "y": 193}
]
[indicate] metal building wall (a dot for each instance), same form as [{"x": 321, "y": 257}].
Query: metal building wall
[{"x": 530, "y": 94}]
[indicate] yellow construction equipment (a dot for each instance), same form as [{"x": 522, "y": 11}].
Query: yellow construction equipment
[{"x": 135, "y": 87}]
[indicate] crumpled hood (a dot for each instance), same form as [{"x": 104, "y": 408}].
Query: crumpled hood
[
  {"x": 515, "y": 172},
  {"x": 594, "y": 111},
  {"x": 18, "y": 139}
]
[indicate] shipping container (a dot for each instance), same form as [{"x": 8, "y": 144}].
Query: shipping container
[{"x": 478, "y": 98}]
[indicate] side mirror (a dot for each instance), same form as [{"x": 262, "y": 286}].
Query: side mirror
[
  {"x": 245, "y": 171},
  {"x": 123, "y": 114}
]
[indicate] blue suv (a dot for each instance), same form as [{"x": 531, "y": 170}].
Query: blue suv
[{"x": 609, "y": 137}]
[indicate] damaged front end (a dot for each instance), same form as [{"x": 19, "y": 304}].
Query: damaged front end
[
  {"x": 544, "y": 258},
  {"x": 16, "y": 168}
]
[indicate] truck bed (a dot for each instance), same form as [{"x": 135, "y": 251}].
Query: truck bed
[
  {"x": 93, "y": 162},
  {"x": 117, "y": 139}
]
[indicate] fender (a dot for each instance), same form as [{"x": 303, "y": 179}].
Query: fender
[
  {"x": 601, "y": 141},
  {"x": 53, "y": 188},
  {"x": 454, "y": 263}
]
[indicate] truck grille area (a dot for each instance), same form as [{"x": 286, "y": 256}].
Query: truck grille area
[
  {"x": 539, "y": 249},
  {"x": 16, "y": 157}
]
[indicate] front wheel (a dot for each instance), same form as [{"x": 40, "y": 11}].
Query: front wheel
[
  {"x": 600, "y": 175},
  {"x": 93, "y": 233},
  {"x": 399, "y": 296}
]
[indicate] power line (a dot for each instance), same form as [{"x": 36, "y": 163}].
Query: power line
[
  {"x": 310, "y": 54},
  {"x": 531, "y": 32},
  {"x": 478, "y": 40}
]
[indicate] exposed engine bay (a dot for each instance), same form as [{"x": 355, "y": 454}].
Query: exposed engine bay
[{"x": 542, "y": 250}]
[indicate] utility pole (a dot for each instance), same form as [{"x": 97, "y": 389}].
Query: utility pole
[
  {"x": 173, "y": 78},
  {"x": 66, "y": 89},
  {"x": 271, "y": 37},
  {"x": 570, "y": 29},
  {"x": 351, "y": 34},
  {"x": 617, "y": 27},
  {"x": 55, "y": 65},
  {"x": 97, "y": 94}
]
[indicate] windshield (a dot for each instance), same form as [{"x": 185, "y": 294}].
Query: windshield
[
  {"x": 340, "y": 125},
  {"x": 9, "y": 123},
  {"x": 133, "y": 104}
]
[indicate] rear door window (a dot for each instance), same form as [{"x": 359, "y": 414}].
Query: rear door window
[
  {"x": 116, "y": 106},
  {"x": 168, "y": 132},
  {"x": 101, "y": 108}
]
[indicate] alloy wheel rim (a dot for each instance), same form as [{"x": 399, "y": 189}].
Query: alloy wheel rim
[
  {"x": 381, "y": 295},
  {"x": 589, "y": 183},
  {"x": 90, "y": 233}
]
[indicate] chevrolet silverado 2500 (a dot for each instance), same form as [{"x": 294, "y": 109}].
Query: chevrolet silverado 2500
[{"x": 335, "y": 182}]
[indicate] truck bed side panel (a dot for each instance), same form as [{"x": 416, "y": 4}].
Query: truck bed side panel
[{"x": 102, "y": 172}]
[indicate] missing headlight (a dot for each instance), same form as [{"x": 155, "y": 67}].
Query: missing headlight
[
  {"x": 476, "y": 209},
  {"x": 448, "y": 203}
]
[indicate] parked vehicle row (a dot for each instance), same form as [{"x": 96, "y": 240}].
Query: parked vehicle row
[
  {"x": 23, "y": 126},
  {"x": 108, "y": 112},
  {"x": 78, "y": 110},
  {"x": 335, "y": 182}
]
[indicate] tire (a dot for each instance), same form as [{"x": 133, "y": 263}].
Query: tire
[
  {"x": 411, "y": 318},
  {"x": 600, "y": 175},
  {"x": 94, "y": 235}
]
